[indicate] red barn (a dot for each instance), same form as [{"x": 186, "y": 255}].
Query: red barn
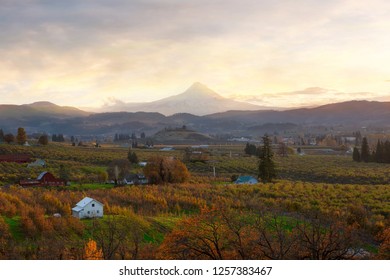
[
  {"x": 45, "y": 179},
  {"x": 18, "y": 158}
]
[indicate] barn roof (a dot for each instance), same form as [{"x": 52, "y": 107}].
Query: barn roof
[{"x": 42, "y": 175}]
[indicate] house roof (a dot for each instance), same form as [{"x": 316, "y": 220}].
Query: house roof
[
  {"x": 242, "y": 179},
  {"x": 77, "y": 208},
  {"x": 86, "y": 200},
  {"x": 138, "y": 176}
]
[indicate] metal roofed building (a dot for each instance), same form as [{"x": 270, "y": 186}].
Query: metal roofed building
[{"x": 88, "y": 208}]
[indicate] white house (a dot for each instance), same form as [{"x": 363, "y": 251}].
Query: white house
[{"x": 88, "y": 208}]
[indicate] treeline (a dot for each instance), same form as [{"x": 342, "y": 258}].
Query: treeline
[
  {"x": 380, "y": 154},
  {"x": 57, "y": 138},
  {"x": 20, "y": 138}
]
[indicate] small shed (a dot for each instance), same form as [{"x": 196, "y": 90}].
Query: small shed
[
  {"x": 246, "y": 180},
  {"x": 38, "y": 163},
  {"x": 88, "y": 208}
]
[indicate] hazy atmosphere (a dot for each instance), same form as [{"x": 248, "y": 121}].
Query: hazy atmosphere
[
  {"x": 270, "y": 53},
  {"x": 195, "y": 130}
]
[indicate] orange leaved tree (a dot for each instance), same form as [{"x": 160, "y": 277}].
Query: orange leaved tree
[
  {"x": 91, "y": 251},
  {"x": 166, "y": 170}
]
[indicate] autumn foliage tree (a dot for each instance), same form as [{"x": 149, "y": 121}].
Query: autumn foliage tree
[
  {"x": 166, "y": 170},
  {"x": 326, "y": 237},
  {"x": 91, "y": 251},
  {"x": 198, "y": 237},
  {"x": 119, "y": 236},
  {"x": 384, "y": 248},
  {"x": 9, "y": 137},
  {"x": 273, "y": 238},
  {"x": 43, "y": 139},
  {"x": 5, "y": 236},
  {"x": 118, "y": 169}
]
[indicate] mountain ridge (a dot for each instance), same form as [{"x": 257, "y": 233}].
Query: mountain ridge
[
  {"x": 198, "y": 99},
  {"x": 51, "y": 118}
]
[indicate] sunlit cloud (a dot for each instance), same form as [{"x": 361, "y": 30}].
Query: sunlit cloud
[{"x": 82, "y": 52}]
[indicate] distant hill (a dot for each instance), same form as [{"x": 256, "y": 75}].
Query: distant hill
[
  {"x": 39, "y": 109},
  {"x": 350, "y": 112},
  {"x": 32, "y": 115},
  {"x": 53, "y": 109},
  {"x": 48, "y": 117},
  {"x": 198, "y": 100},
  {"x": 179, "y": 135}
]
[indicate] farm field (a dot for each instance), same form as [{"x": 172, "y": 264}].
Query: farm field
[
  {"x": 85, "y": 164},
  {"x": 352, "y": 201}
]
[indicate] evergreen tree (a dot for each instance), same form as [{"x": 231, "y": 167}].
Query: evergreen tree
[
  {"x": 365, "y": 150},
  {"x": 386, "y": 151},
  {"x": 132, "y": 157},
  {"x": 267, "y": 169},
  {"x": 247, "y": 149},
  {"x": 21, "y": 137},
  {"x": 250, "y": 149},
  {"x": 356, "y": 154},
  {"x": 60, "y": 138},
  {"x": 379, "y": 152}
]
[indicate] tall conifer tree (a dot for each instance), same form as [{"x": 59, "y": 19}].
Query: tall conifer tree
[
  {"x": 365, "y": 151},
  {"x": 267, "y": 169}
]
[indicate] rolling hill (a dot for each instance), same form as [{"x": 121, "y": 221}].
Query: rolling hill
[
  {"x": 50, "y": 118},
  {"x": 179, "y": 135},
  {"x": 38, "y": 110}
]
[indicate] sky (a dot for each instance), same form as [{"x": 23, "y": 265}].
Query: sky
[{"x": 286, "y": 53}]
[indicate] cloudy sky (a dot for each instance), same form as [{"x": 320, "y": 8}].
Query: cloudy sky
[{"x": 278, "y": 53}]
